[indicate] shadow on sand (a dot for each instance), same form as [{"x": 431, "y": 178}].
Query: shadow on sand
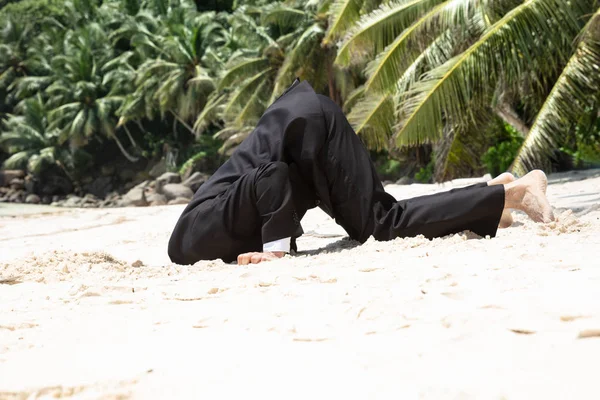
[{"x": 343, "y": 244}]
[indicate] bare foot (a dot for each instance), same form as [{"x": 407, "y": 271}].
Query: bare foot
[
  {"x": 503, "y": 179},
  {"x": 255, "y": 258},
  {"x": 528, "y": 194}
]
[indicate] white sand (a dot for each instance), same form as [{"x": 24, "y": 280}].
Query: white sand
[{"x": 452, "y": 318}]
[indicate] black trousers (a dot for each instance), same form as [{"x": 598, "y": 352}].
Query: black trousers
[{"x": 267, "y": 203}]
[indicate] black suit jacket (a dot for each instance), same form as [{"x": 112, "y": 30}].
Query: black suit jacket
[{"x": 292, "y": 130}]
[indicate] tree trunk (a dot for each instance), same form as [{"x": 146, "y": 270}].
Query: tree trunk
[
  {"x": 125, "y": 153},
  {"x": 133, "y": 143},
  {"x": 182, "y": 122},
  {"x": 511, "y": 117},
  {"x": 331, "y": 82}
]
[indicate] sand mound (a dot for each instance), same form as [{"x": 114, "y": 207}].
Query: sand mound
[{"x": 565, "y": 222}]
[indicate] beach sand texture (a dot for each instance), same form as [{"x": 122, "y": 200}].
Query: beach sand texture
[{"x": 91, "y": 307}]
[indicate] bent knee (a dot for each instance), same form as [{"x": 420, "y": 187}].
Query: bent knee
[{"x": 275, "y": 171}]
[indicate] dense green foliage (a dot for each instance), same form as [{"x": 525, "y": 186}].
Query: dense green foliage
[{"x": 423, "y": 81}]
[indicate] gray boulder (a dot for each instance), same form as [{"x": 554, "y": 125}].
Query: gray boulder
[
  {"x": 405, "y": 180},
  {"x": 16, "y": 196},
  {"x": 136, "y": 197},
  {"x": 158, "y": 169},
  {"x": 168, "y": 177},
  {"x": 100, "y": 187},
  {"x": 126, "y": 174},
  {"x": 17, "y": 184},
  {"x": 73, "y": 201},
  {"x": 179, "y": 200},
  {"x": 9, "y": 174},
  {"x": 175, "y": 190},
  {"x": 33, "y": 199},
  {"x": 156, "y": 199},
  {"x": 195, "y": 181}
]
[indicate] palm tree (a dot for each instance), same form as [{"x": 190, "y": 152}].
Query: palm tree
[
  {"x": 576, "y": 89},
  {"x": 440, "y": 68},
  {"x": 175, "y": 81},
  {"x": 83, "y": 102},
  {"x": 30, "y": 141},
  {"x": 281, "y": 41},
  {"x": 14, "y": 63}
]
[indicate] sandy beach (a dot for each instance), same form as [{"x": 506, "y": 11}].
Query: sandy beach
[{"x": 92, "y": 308}]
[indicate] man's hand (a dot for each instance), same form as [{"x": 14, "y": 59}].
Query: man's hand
[{"x": 255, "y": 258}]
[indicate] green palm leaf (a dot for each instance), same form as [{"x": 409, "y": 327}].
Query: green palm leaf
[
  {"x": 577, "y": 87},
  {"x": 245, "y": 92},
  {"x": 452, "y": 90},
  {"x": 342, "y": 15},
  {"x": 377, "y": 29},
  {"x": 210, "y": 113},
  {"x": 281, "y": 15},
  {"x": 390, "y": 65},
  {"x": 254, "y": 107},
  {"x": 373, "y": 119},
  {"x": 243, "y": 70},
  {"x": 18, "y": 160}
]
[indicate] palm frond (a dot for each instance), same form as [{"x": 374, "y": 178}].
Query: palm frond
[
  {"x": 281, "y": 15},
  {"x": 210, "y": 113},
  {"x": 243, "y": 70},
  {"x": 18, "y": 160},
  {"x": 390, "y": 65},
  {"x": 254, "y": 107},
  {"x": 354, "y": 97},
  {"x": 577, "y": 87},
  {"x": 377, "y": 29},
  {"x": 235, "y": 139},
  {"x": 450, "y": 92},
  {"x": 342, "y": 15},
  {"x": 245, "y": 91},
  {"x": 373, "y": 119},
  {"x": 436, "y": 54},
  {"x": 299, "y": 58}
]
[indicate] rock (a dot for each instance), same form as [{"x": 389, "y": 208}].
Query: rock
[
  {"x": 405, "y": 180},
  {"x": 17, "y": 184},
  {"x": 126, "y": 175},
  {"x": 30, "y": 184},
  {"x": 107, "y": 170},
  {"x": 90, "y": 201},
  {"x": 32, "y": 199},
  {"x": 73, "y": 201},
  {"x": 89, "y": 197},
  {"x": 54, "y": 184},
  {"x": 158, "y": 169},
  {"x": 156, "y": 199},
  {"x": 46, "y": 199},
  {"x": 175, "y": 190},
  {"x": 195, "y": 181},
  {"x": 168, "y": 177},
  {"x": 136, "y": 197},
  {"x": 100, "y": 187},
  {"x": 9, "y": 174},
  {"x": 56, "y": 198},
  {"x": 179, "y": 200},
  {"x": 16, "y": 197},
  {"x": 129, "y": 185}
]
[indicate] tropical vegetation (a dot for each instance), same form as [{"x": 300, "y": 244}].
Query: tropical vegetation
[{"x": 436, "y": 89}]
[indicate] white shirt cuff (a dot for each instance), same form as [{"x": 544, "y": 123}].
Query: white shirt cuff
[{"x": 278, "y": 245}]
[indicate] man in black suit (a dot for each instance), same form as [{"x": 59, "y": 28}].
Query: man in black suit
[{"x": 303, "y": 154}]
